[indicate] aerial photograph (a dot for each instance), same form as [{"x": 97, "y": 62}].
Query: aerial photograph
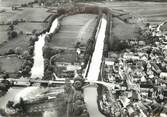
[{"x": 83, "y": 58}]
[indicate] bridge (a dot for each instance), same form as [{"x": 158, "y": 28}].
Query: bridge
[{"x": 28, "y": 82}]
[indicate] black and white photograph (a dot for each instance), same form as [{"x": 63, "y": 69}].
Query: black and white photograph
[{"x": 83, "y": 58}]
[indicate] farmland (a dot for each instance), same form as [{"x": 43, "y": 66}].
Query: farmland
[
  {"x": 75, "y": 28},
  {"x": 75, "y": 59}
]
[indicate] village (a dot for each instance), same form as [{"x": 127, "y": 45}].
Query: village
[
  {"x": 138, "y": 75},
  {"x": 83, "y": 59}
]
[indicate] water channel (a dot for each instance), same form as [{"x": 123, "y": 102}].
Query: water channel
[
  {"x": 90, "y": 93},
  {"x": 37, "y": 71}
]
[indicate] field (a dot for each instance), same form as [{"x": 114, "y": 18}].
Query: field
[
  {"x": 152, "y": 12},
  {"x": 13, "y": 2},
  {"x": 3, "y": 34},
  {"x": 75, "y": 28},
  {"x": 21, "y": 41},
  {"x": 10, "y": 64},
  {"x": 34, "y": 20},
  {"x": 27, "y": 14},
  {"x": 124, "y": 31},
  {"x": 138, "y": 13}
]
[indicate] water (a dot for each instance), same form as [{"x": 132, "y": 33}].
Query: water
[
  {"x": 90, "y": 97},
  {"x": 12, "y": 92},
  {"x": 50, "y": 114},
  {"x": 90, "y": 93},
  {"x": 29, "y": 93},
  {"x": 95, "y": 64},
  {"x": 37, "y": 70}
]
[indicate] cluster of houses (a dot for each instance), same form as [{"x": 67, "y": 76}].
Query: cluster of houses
[{"x": 138, "y": 78}]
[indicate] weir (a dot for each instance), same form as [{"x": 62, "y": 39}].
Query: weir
[{"x": 37, "y": 70}]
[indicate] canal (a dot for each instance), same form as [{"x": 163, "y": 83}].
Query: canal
[{"x": 90, "y": 92}]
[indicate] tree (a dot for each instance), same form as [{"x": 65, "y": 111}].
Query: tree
[
  {"x": 32, "y": 40},
  {"x": 10, "y": 104},
  {"x": 11, "y": 27},
  {"x": 48, "y": 75},
  {"x": 26, "y": 54},
  {"x": 12, "y": 35},
  {"x": 34, "y": 31},
  {"x": 18, "y": 50},
  {"x": 78, "y": 82},
  {"x": 11, "y": 51},
  {"x": 48, "y": 38},
  {"x": 119, "y": 45},
  {"x": 26, "y": 71},
  {"x": 22, "y": 105},
  {"x": 27, "y": 62},
  {"x": 47, "y": 52}
]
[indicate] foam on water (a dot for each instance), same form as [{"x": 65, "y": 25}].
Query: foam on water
[
  {"x": 49, "y": 114},
  {"x": 38, "y": 67},
  {"x": 12, "y": 92},
  {"x": 37, "y": 70},
  {"x": 28, "y": 93}
]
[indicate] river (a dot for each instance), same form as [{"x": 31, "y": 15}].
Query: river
[
  {"x": 37, "y": 71},
  {"x": 90, "y": 92}
]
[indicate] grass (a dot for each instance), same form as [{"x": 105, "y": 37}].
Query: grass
[
  {"x": 21, "y": 41},
  {"x": 152, "y": 12},
  {"x": 29, "y": 27},
  {"x": 14, "y": 2},
  {"x": 124, "y": 31},
  {"x": 28, "y": 14},
  {"x": 3, "y": 34},
  {"x": 164, "y": 27},
  {"x": 74, "y": 28},
  {"x": 10, "y": 64}
]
